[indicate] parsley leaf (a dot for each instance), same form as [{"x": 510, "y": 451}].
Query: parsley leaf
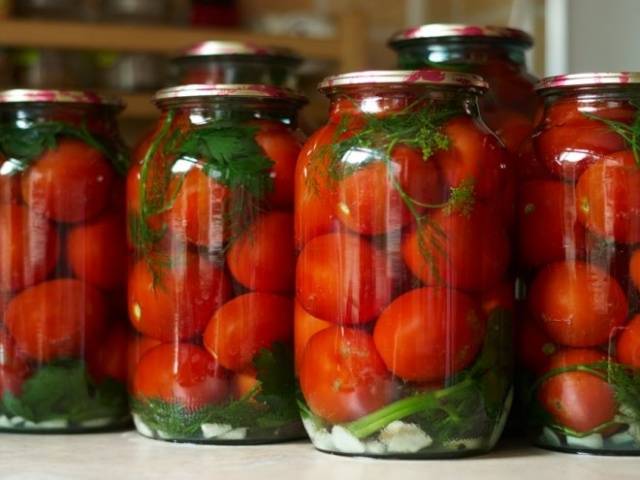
[
  {"x": 63, "y": 390},
  {"x": 231, "y": 156}
]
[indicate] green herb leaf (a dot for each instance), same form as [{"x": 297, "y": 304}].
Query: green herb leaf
[
  {"x": 63, "y": 390},
  {"x": 231, "y": 156},
  {"x": 629, "y": 132},
  {"x": 269, "y": 406},
  {"x": 26, "y": 144},
  {"x": 469, "y": 406}
]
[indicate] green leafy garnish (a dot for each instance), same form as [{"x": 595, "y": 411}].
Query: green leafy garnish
[
  {"x": 472, "y": 403},
  {"x": 418, "y": 126},
  {"x": 62, "y": 390},
  {"x": 629, "y": 132},
  {"x": 228, "y": 153},
  {"x": 271, "y": 405},
  {"x": 23, "y": 145},
  {"x": 624, "y": 380}
]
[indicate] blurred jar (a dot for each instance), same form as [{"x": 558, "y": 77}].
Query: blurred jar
[
  {"x": 55, "y": 9},
  {"x": 495, "y": 53},
  {"x": 215, "y": 13},
  {"x": 6, "y": 69},
  {"x": 131, "y": 71},
  {"x": 58, "y": 69},
  {"x": 404, "y": 276},
  {"x": 136, "y": 11},
  {"x": 236, "y": 62},
  {"x": 64, "y": 336},
  {"x": 579, "y": 231},
  {"x": 210, "y": 203}
]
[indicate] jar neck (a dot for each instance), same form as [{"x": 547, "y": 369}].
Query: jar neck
[
  {"x": 384, "y": 100},
  {"x": 200, "y": 111},
  {"x": 100, "y": 119},
  {"x": 600, "y": 94},
  {"x": 460, "y": 53}
]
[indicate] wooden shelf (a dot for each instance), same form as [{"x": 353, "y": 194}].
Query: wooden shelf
[
  {"x": 152, "y": 39},
  {"x": 139, "y": 105},
  {"x": 347, "y": 50}
]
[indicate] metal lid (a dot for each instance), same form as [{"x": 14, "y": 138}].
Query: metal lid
[
  {"x": 58, "y": 96},
  {"x": 389, "y": 77},
  {"x": 445, "y": 30},
  {"x": 217, "y": 48},
  {"x": 257, "y": 91},
  {"x": 588, "y": 80}
]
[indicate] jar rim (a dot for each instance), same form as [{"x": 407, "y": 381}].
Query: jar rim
[
  {"x": 590, "y": 79},
  {"x": 438, "y": 78},
  {"x": 223, "y": 48},
  {"x": 247, "y": 91},
  {"x": 86, "y": 97},
  {"x": 450, "y": 30}
]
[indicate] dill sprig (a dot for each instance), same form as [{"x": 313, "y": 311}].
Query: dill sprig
[
  {"x": 629, "y": 132},
  {"x": 417, "y": 126}
]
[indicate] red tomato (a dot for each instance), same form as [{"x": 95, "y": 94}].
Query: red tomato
[
  {"x": 199, "y": 210},
  {"x": 179, "y": 303},
  {"x": 628, "y": 346},
  {"x": 429, "y": 333},
  {"x": 511, "y": 127},
  {"x": 282, "y": 147},
  {"x": 181, "y": 373},
  {"x": 474, "y": 155},
  {"x": 138, "y": 346},
  {"x": 548, "y": 230},
  {"x": 314, "y": 193},
  {"x": 109, "y": 359},
  {"x": 470, "y": 252},
  {"x": 10, "y": 190},
  {"x": 608, "y": 198},
  {"x": 634, "y": 268},
  {"x": 571, "y": 111},
  {"x": 342, "y": 278},
  {"x": 247, "y": 324},
  {"x": 13, "y": 366},
  {"x": 578, "y": 304},
  {"x": 534, "y": 347},
  {"x": 580, "y": 401},
  {"x": 342, "y": 376},
  {"x": 56, "y": 319},
  {"x": 568, "y": 150},
  {"x": 262, "y": 258},
  {"x": 501, "y": 296},
  {"x": 304, "y": 327},
  {"x": 369, "y": 200},
  {"x": 69, "y": 183},
  {"x": 244, "y": 383},
  {"x": 29, "y": 247},
  {"x": 97, "y": 251}
]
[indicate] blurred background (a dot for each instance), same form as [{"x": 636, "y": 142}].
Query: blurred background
[{"x": 122, "y": 46}]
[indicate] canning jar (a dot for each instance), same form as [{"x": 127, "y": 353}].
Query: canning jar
[
  {"x": 210, "y": 205},
  {"x": 63, "y": 334},
  {"x": 579, "y": 229},
  {"x": 495, "y": 53},
  {"x": 404, "y": 286},
  {"x": 236, "y": 62}
]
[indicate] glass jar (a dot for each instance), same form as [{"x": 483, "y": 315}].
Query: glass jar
[
  {"x": 404, "y": 286},
  {"x": 210, "y": 205},
  {"x": 495, "y": 53},
  {"x": 236, "y": 62},
  {"x": 579, "y": 226},
  {"x": 63, "y": 336}
]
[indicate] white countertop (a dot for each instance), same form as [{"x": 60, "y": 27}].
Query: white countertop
[{"x": 124, "y": 456}]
